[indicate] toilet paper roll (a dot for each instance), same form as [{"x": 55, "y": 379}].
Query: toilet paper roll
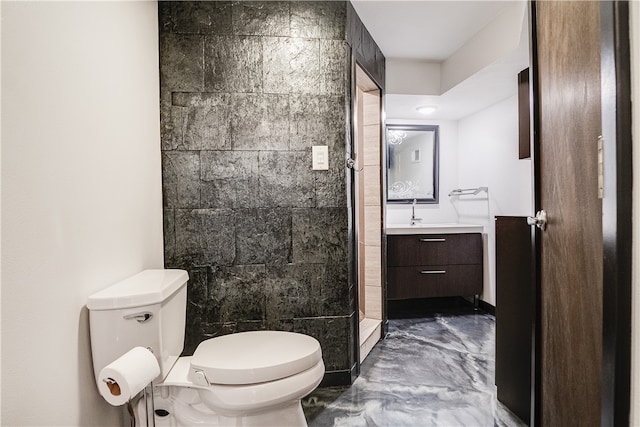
[{"x": 126, "y": 376}]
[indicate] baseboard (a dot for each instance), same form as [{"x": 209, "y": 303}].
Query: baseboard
[
  {"x": 398, "y": 309},
  {"x": 338, "y": 378},
  {"x": 485, "y": 306}
]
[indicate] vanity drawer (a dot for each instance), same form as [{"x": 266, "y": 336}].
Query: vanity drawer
[
  {"x": 434, "y": 249},
  {"x": 434, "y": 281}
]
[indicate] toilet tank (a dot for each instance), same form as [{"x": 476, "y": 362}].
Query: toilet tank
[{"x": 146, "y": 310}]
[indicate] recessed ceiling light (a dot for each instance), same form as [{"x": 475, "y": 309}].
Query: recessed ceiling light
[{"x": 426, "y": 109}]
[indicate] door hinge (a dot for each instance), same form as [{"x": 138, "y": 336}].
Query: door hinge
[{"x": 600, "y": 167}]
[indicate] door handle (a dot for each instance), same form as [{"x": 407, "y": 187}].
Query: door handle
[{"x": 540, "y": 220}]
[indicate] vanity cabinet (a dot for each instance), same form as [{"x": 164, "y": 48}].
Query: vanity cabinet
[
  {"x": 515, "y": 314},
  {"x": 434, "y": 265}
]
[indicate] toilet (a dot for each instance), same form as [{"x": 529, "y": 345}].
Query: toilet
[{"x": 244, "y": 379}]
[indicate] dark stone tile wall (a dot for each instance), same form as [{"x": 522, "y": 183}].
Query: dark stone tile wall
[
  {"x": 364, "y": 47},
  {"x": 246, "y": 89}
]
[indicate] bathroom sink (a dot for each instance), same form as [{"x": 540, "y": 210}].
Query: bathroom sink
[{"x": 435, "y": 228}]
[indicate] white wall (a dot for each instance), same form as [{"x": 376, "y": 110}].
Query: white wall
[
  {"x": 81, "y": 194},
  {"x": 488, "y": 157},
  {"x": 635, "y": 327},
  {"x": 412, "y": 77},
  {"x": 448, "y": 146},
  {"x": 495, "y": 41}
]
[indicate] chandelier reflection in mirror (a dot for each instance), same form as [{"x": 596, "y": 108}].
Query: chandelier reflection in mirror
[
  {"x": 396, "y": 136},
  {"x": 403, "y": 189}
]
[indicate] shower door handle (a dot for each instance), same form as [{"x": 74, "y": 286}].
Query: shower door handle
[{"x": 351, "y": 164}]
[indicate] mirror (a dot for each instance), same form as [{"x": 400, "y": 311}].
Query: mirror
[{"x": 412, "y": 163}]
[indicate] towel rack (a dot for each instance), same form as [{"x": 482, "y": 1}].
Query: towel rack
[{"x": 468, "y": 191}]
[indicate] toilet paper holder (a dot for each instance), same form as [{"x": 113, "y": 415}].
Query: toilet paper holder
[
  {"x": 149, "y": 405},
  {"x": 114, "y": 387},
  {"x": 149, "y": 409},
  {"x": 147, "y": 395}
]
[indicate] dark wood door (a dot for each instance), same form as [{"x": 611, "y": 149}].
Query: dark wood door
[{"x": 570, "y": 259}]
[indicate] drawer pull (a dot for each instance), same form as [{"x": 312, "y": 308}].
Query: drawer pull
[
  {"x": 433, "y": 272},
  {"x": 433, "y": 240}
]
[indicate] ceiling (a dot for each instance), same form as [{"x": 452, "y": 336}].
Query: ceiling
[
  {"x": 430, "y": 30},
  {"x": 424, "y": 29}
]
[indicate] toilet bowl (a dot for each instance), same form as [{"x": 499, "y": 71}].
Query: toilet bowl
[
  {"x": 244, "y": 379},
  {"x": 249, "y": 371}
]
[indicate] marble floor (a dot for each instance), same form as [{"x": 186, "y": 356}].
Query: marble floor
[{"x": 430, "y": 371}]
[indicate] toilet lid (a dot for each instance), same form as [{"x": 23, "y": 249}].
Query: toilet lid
[{"x": 255, "y": 357}]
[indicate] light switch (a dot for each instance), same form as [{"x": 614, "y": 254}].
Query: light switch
[{"x": 320, "y": 156}]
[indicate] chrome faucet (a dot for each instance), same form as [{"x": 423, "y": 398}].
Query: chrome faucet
[{"x": 414, "y": 220}]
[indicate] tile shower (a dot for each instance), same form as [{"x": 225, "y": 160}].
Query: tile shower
[{"x": 247, "y": 88}]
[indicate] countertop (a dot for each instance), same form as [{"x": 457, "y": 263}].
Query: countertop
[{"x": 437, "y": 228}]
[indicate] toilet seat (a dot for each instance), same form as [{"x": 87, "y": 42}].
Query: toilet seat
[
  {"x": 253, "y": 357},
  {"x": 233, "y": 400}
]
